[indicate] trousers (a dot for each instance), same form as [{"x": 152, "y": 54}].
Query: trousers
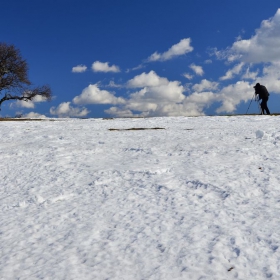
[{"x": 264, "y": 106}]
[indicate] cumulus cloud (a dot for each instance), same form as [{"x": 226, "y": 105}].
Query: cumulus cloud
[
  {"x": 232, "y": 72},
  {"x": 93, "y": 95},
  {"x": 29, "y": 104},
  {"x": 24, "y": 104},
  {"x": 119, "y": 113},
  {"x": 262, "y": 47},
  {"x": 33, "y": 115},
  {"x": 171, "y": 92},
  {"x": 39, "y": 98},
  {"x": 150, "y": 79},
  {"x": 154, "y": 96},
  {"x": 65, "y": 110},
  {"x": 181, "y": 48},
  {"x": 232, "y": 95},
  {"x": 79, "y": 69},
  {"x": 205, "y": 85},
  {"x": 270, "y": 77},
  {"x": 156, "y": 87},
  {"x": 197, "y": 102},
  {"x": 98, "y": 66},
  {"x": 198, "y": 70},
  {"x": 229, "y": 97},
  {"x": 157, "y": 96},
  {"x": 201, "y": 98}
]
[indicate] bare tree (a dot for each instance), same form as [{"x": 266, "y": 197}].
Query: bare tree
[{"x": 14, "y": 82}]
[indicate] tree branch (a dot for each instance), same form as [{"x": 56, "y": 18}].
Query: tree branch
[
  {"x": 13, "y": 77},
  {"x": 29, "y": 95}
]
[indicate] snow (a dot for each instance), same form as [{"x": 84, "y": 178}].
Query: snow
[{"x": 198, "y": 199}]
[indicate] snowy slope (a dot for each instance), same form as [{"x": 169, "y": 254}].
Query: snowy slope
[{"x": 199, "y": 199}]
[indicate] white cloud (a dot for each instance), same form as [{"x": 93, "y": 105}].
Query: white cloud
[
  {"x": 160, "y": 97},
  {"x": 65, "y": 110},
  {"x": 39, "y": 98},
  {"x": 136, "y": 68},
  {"x": 183, "y": 47},
  {"x": 250, "y": 75},
  {"x": 232, "y": 72},
  {"x": 201, "y": 98},
  {"x": 197, "y": 102},
  {"x": 33, "y": 115},
  {"x": 262, "y": 47},
  {"x": 24, "y": 104},
  {"x": 171, "y": 92},
  {"x": 29, "y": 104},
  {"x": 112, "y": 84},
  {"x": 98, "y": 66},
  {"x": 93, "y": 95},
  {"x": 79, "y": 69},
  {"x": 157, "y": 96},
  {"x": 156, "y": 88},
  {"x": 205, "y": 85},
  {"x": 208, "y": 61},
  {"x": 155, "y": 56},
  {"x": 188, "y": 76},
  {"x": 119, "y": 113},
  {"x": 270, "y": 78},
  {"x": 197, "y": 69},
  {"x": 150, "y": 79},
  {"x": 232, "y": 95}
]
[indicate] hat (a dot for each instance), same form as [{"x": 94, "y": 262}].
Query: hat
[{"x": 257, "y": 85}]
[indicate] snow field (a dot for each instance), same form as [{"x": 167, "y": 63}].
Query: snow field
[{"x": 198, "y": 199}]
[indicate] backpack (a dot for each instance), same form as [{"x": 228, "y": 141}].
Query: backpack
[{"x": 264, "y": 92}]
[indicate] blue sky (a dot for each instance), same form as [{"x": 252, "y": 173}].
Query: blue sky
[{"x": 125, "y": 58}]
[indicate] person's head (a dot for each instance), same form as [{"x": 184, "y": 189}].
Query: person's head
[{"x": 257, "y": 85}]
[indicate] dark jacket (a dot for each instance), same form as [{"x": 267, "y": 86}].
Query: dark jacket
[{"x": 262, "y": 92}]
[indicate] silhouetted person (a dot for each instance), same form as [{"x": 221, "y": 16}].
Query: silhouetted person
[{"x": 263, "y": 96}]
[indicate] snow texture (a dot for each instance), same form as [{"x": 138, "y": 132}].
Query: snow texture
[{"x": 199, "y": 199}]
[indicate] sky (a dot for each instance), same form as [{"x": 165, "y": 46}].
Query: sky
[{"x": 108, "y": 58}]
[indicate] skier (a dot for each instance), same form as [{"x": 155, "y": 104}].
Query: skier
[{"x": 263, "y": 96}]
